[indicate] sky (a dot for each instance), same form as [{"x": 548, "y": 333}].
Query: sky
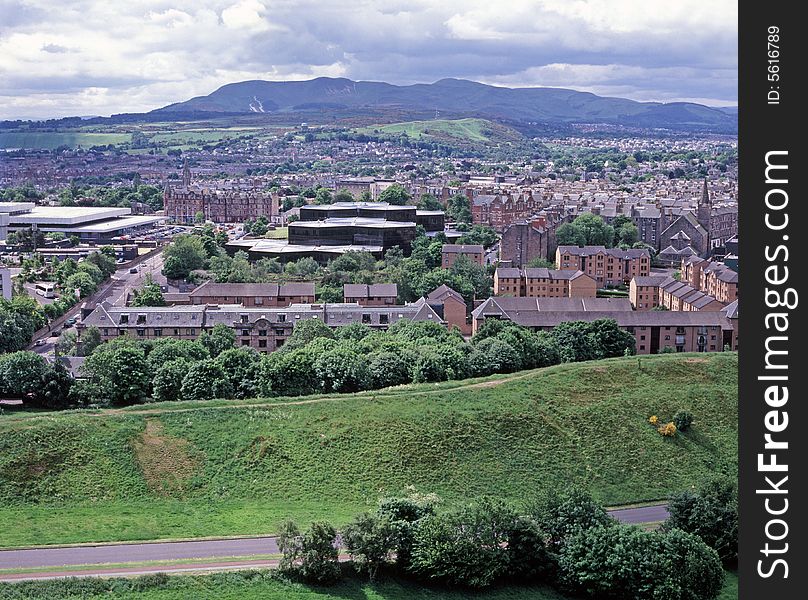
[{"x": 101, "y": 57}]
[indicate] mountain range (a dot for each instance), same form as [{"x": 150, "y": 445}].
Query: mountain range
[{"x": 457, "y": 97}]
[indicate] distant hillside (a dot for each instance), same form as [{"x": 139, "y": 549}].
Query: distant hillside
[
  {"x": 222, "y": 467},
  {"x": 456, "y": 96},
  {"x": 464, "y": 130}
]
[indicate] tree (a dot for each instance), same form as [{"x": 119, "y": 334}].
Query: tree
[
  {"x": 540, "y": 262},
  {"x": 205, "y": 380},
  {"x": 148, "y": 295},
  {"x": 568, "y": 234},
  {"x": 21, "y": 373},
  {"x": 566, "y": 513},
  {"x": 711, "y": 513},
  {"x": 104, "y": 260},
  {"x": 241, "y": 367},
  {"x": 323, "y": 196},
  {"x": 627, "y": 234},
  {"x": 493, "y": 355},
  {"x": 93, "y": 270},
  {"x": 395, "y": 194},
  {"x": 167, "y": 349},
  {"x": 341, "y": 370},
  {"x": 167, "y": 382},
  {"x": 312, "y": 556},
  {"x": 82, "y": 282},
  {"x": 625, "y": 563},
  {"x": 66, "y": 345},
  {"x": 370, "y": 541},
  {"x": 467, "y": 546},
  {"x": 306, "y": 331},
  {"x": 218, "y": 339},
  {"x": 16, "y": 327},
  {"x": 120, "y": 369},
  {"x": 54, "y": 389},
  {"x": 429, "y": 202},
  {"x": 199, "y": 217},
  {"x": 458, "y": 209},
  {"x": 343, "y": 196},
  {"x": 388, "y": 369},
  {"x": 185, "y": 254},
  {"x": 480, "y": 234},
  {"x": 90, "y": 340}
]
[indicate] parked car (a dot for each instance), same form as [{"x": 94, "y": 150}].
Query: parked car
[
  {"x": 39, "y": 343},
  {"x": 133, "y": 270}
]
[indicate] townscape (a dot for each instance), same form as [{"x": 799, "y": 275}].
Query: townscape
[{"x": 328, "y": 338}]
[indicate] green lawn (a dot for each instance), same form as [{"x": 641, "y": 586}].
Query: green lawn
[
  {"x": 50, "y": 140},
  {"x": 260, "y": 586},
  {"x": 473, "y": 130},
  {"x": 221, "y": 468}
]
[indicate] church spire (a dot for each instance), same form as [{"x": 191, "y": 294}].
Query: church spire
[{"x": 705, "y": 209}]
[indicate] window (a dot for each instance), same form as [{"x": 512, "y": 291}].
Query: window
[
  {"x": 245, "y": 332},
  {"x": 106, "y": 331},
  {"x": 141, "y": 319},
  {"x": 158, "y": 332},
  {"x": 262, "y": 343},
  {"x": 176, "y": 332},
  {"x": 385, "y": 319},
  {"x": 141, "y": 332},
  {"x": 281, "y": 318},
  {"x": 365, "y": 318},
  {"x": 245, "y": 319},
  {"x": 245, "y": 342},
  {"x": 642, "y": 347},
  {"x": 279, "y": 332},
  {"x": 259, "y": 301},
  {"x": 123, "y": 320},
  {"x": 279, "y": 343},
  {"x": 642, "y": 337},
  {"x": 667, "y": 338},
  {"x": 262, "y": 332},
  {"x": 122, "y": 332}
]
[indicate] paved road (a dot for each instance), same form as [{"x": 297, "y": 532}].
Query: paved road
[
  {"x": 202, "y": 549},
  {"x": 642, "y": 514}
]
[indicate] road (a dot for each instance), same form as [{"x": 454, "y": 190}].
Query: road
[{"x": 212, "y": 554}]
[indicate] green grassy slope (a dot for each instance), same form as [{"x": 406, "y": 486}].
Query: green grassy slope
[
  {"x": 219, "y": 468},
  {"x": 470, "y": 130}
]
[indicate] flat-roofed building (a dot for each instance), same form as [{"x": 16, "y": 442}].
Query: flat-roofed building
[{"x": 375, "y": 294}]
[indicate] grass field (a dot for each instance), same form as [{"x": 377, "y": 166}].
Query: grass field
[
  {"x": 50, "y": 140},
  {"x": 473, "y": 130},
  {"x": 227, "y": 468},
  {"x": 224, "y": 586}
]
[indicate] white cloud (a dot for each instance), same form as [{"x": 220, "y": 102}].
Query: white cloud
[{"x": 94, "y": 56}]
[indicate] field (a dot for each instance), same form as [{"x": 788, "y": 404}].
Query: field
[
  {"x": 471, "y": 130},
  {"x": 49, "y": 140},
  {"x": 227, "y": 468}
]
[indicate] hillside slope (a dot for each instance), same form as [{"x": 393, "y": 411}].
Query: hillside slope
[
  {"x": 457, "y": 96},
  {"x": 218, "y": 468}
]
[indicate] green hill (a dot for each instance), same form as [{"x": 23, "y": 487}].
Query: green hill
[
  {"x": 468, "y": 130},
  {"x": 222, "y": 468}
]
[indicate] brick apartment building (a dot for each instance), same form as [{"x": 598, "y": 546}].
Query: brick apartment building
[
  {"x": 377, "y": 294},
  {"x": 524, "y": 241},
  {"x": 543, "y": 283},
  {"x": 607, "y": 266},
  {"x": 647, "y": 293},
  {"x": 253, "y": 294},
  {"x": 697, "y": 331},
  {"x": 450, "y": 252}
]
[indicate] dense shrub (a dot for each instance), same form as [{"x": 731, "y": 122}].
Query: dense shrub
[
  {"x": 565, "y": 513},
  {"x": 311, "y": 556},
  {"x": 683, "y": 420},
  {"x": 370, "y": 540},
  {"x": 710, "y": 513}
]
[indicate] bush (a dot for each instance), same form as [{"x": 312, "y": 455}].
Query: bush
[
  {"x": 667, "y": 430},
  {"x": 561, "y": 515},
  {"x": 341, "y": 370},
  {"x": 710, "y": 513},
  {"x": 683, "y": 420},
  {"x": 493, "y": 355},
  {"x": 312, "y": 556},
  {"x": 388, "y": 369},
  {"x": 205, "y": 380},
  {"x": 370, "y": 540},
  {"x": 623, "y": 562}
]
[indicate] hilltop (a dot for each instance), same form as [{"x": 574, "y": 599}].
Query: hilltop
[
  {"x": 228, "y": 467},
  {"x": 458, "y": 97}
]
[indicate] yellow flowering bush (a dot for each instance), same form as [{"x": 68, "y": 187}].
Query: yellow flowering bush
[
  {"x": 667, "y": 430},
  {"x": 654, "y": 420}
]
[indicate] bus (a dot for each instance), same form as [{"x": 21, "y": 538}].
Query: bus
[{"x": 46, "y": 289}]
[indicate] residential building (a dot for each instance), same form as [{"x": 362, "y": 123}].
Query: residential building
[
  {"x": 376, "y": 294},
  {"x": 647, "y": 293},
  {"x": 523, "y": 241},
  {"x": 543, "y": 283},
  {"x": 607, "y": 266},
  {"x": 450, "y": 252},
  {"x": 253, "y": 294},
  {"x": 692, "y": 331},
  {"x": 451, "y": 307},
  {"x": 263, "y": 328}
]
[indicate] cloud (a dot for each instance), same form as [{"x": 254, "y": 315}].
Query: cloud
[{"x": 99, "y": 57}]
